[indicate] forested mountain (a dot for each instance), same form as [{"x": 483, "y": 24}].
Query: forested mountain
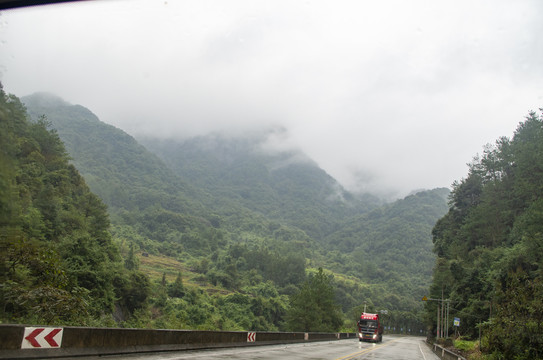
[
  {"x": 490, "y": 246},
  {"x": 392, "y": 245},
  {"x": 143, "y": 193},
  {"x": 387, "y": 244},
  {"x": 122, "y": 172},
  {"x": 245, "y": 226},
  {"x": 283, "y": 185},
  {"x": 58, "y": 263}
]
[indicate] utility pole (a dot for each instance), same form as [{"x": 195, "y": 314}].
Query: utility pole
[
  {"x": 442, "y": 310},
  {"x": 442, "y": 323},
  {"x": 447, "y": 328},
  {"x": 438, "y": 327}
]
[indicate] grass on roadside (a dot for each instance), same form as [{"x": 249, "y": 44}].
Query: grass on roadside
[
  {"x": 470, "y": 349},
  {"x": 465, "y": 345}
]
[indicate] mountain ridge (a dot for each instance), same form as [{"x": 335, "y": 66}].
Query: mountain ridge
[
  {"x": 218, "y": 215},
  {"x": 280, "y": 184}
]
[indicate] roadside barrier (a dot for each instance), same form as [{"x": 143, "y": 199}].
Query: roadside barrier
[
  {"x": 444, "y": 353},
  {"x": 38, "y": 342}
]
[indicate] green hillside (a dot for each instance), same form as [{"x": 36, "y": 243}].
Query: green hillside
[
  {"x": 392, "y": 246},
  {"x": 58, "y": 262},
  {"x": 490, "y": 247},
  {"x": 388, "y": 245},
  {"x": 244, "y": 229},
  {"x": 285, "y": 186},
  {"x": 122, "y": 172}
]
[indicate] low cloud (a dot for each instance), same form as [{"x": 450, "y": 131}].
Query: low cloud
[{"x": 385, "y": 96}]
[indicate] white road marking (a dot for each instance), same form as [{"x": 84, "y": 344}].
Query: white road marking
[{"x": 422, "y": 352}]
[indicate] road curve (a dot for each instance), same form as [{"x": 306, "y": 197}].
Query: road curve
[{"x": 392, "y": 347}]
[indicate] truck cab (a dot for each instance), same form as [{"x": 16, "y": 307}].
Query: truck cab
[{"x": 370, "y": 328}]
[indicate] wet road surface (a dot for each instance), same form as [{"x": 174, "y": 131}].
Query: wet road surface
[{"x": 392, "y": 348}]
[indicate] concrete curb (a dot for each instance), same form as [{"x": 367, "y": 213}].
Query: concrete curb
[{"x": 84, "y": 341}]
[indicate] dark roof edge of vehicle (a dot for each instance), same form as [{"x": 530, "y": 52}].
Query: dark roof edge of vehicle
[{"x": 11, "y": 4}]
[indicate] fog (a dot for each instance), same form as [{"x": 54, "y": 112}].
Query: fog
[{"x": 386, "y": 96}]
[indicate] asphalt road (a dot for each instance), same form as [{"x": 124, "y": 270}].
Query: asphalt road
[{"x": 393, "y": 347}]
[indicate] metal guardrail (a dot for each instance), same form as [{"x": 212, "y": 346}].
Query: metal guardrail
[{"x": 443, "y": 353}]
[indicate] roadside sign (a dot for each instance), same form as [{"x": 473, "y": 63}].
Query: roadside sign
[
  {"x": 424, "y": 298},
  {"x": 251, "y": 337},
  {"x": 456, "y": 321},
  {"x": 42, "y": 338}
]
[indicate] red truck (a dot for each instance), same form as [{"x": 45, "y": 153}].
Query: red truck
[{"x": 370, "y": 328}]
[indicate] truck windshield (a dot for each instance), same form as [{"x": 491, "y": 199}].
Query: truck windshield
[{"x": 368, "y": 323}]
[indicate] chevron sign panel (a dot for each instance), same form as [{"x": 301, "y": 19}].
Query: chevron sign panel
[
  {"x": 42, "y": 338},
  {"x": 251, "y": 337}
]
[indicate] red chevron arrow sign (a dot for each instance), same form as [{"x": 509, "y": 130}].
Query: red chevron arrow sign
[
  {"x": 251, "y": 337},
  {"x": 41, "y": 338}
]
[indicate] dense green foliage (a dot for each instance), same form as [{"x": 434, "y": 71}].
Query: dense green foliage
[
  {"x": 245, "y": 227},
  {"x": 391, "y": 246},
  {"x": 490, "y": 246},
  {"x": 313, "y": 307},
  {"x": 285, "y": 186},
  {"x": 58, "y": 262}
]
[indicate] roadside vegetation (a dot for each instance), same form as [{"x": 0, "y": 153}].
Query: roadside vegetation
[
  {"x": 98, "y": 231},
  {"x": 490, "y": 247}
]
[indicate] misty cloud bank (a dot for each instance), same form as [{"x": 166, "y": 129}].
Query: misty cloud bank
[{"x": 387, "y": 96}]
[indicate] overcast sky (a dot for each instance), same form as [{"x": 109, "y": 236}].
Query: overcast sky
[{"x": 386, "y": 96}]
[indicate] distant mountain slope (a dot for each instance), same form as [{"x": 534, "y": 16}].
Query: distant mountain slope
[
  {"x": 224, "y": 202},
  {"x": 285, "y": 186},
  {"x": 121, "y": 171},
  {"x": 395, "y": 234},
  {"x": 139, "y": 189},
  {"x": 58, "y": 262},
  {"x": 393, "y": 244}
]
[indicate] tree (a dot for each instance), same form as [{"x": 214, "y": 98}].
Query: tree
[
  {"x": 131, "y": 261},
  {"x": 58, "y": 262},
  {"x": 176, "y": 289},
  {"x": 517, "y": 329},
  {"x": 490, "y": 244},
  {"x": 314, "y": 307}
]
